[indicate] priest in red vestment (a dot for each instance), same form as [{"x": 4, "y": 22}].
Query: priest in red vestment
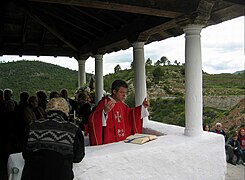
[{"x": 114, "y": 121}]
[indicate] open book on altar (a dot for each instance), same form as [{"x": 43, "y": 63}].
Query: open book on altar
[{"x": 140, "y": 138}]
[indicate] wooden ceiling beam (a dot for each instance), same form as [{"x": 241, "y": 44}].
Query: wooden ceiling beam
[
  {"x": 151, "y": 8},
  {"x": 44, "y": 32},
  {"x": 136, "y": 27},
  {"x": 2, "y": 14},
  {"x": 230, "y": 11},
  {"x": 71, "y": 17},
  {"x": 92, "y": 16},
  {"x": 70, "y": 23},
  {"x": 15, "y": 49},
  {"x": 45, "y": 22},
  {"x": 24, "y": 29},
  {"x": 115, "y": 17},
  {"x": 240, "y": 2}
]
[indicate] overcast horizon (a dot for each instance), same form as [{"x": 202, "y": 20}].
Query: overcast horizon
[{"x": 222, "y": 51}]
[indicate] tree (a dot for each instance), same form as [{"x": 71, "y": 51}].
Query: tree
[
  {"x": 132, "y": 65},
  {"x": 158, "y": 63},
  {"x": 148, "y": 62},
  {"x": 117, "y": 68},
  {"x": 176, "y": 62},
  {"x": 164, "y": 60},
  {"x": 158, "y": 73}
]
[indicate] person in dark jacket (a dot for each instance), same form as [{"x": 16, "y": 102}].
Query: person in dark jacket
[
  {"x": 52, "y": 145},
  {"x": 235, "y": 145},
  {"x": 71, "y": 103},
  {"x": 84, "y": 109},
  {"x": 219, "y": 130},
  {"x": 228, "y": 150}
]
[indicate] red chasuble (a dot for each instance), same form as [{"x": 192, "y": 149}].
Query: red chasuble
[{"x": 122, "y": 121}]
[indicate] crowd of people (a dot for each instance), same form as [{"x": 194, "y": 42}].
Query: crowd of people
[
  {"x": 17, "y": 118},
  {"x": 50, "y": 131},
  {"x": 234, "y": 146}
]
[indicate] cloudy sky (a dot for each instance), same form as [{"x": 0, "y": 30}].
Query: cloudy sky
[{"x": 222, "y": 51}]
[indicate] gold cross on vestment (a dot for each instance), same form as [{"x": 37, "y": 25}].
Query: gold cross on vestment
[
  {"x": 118, "y": 116},
  {"x": 120, "y": 132}
]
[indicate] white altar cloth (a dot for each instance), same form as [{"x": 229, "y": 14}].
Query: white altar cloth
[{"x": 170, "y": 157}]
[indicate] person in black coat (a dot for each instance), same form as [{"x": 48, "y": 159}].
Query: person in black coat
[
  {"x": 235, "y": 145},
  {"x": 84, "y": 110},
  {"x": 71, "y": 103},
  {"x": 219, "y": 130},
  {"x": 10, "y": 135},
  {"x": 52, "y": 145}
]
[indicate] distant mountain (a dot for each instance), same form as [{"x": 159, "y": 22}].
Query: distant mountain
[{"x": 239, "y": 72}]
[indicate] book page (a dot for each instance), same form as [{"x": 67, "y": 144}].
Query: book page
[{"x": 140, "y": 138}]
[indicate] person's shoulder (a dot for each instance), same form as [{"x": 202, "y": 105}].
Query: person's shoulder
[
  {"x": 87, "y": 105},
  {"x": 223, "y": 131},
  {"x": 230, "y": 141}
]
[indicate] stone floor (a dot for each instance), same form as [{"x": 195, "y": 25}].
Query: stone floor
[{"x": 235, "y": 172}]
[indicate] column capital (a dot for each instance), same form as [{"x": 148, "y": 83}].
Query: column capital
[
  {"x": 138, "y": 37},
  {"x": 98, "y": 56},
  {"x": 82, "y": 57},
  {"x": 138, "y": 44},
  {"x": 193, "y": 29},
  {"x": 81, "y": 61}
]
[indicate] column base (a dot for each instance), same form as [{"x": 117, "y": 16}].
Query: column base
[{"x": 193, "y": 132}]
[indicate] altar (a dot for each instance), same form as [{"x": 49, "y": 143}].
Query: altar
[{"x": 171, "y": 156}]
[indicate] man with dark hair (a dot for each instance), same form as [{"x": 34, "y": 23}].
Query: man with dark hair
[
  {"x": 71, "y": 103},
  {"x": 52, "y": 145},
  {"x": 114, "y": 121},
  {"x": 42, "y": 99},
  {"x": 7, "y": 95}
]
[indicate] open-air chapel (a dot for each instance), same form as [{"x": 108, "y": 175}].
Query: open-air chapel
[{"x": 93, "y": 28}]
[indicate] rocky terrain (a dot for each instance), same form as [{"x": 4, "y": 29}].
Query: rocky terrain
[{"x": 235, "y": 117}]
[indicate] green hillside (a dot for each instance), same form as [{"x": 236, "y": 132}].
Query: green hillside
[
  {"x": 169, "y": 80},
  {"x": 165, "y": 86},
  {"x": 32, "y": 76}
]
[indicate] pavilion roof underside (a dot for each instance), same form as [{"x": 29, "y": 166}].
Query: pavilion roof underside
[{"x": 82, "y": 28}]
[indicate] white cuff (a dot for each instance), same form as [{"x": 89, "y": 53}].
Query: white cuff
[
  {"x": 104, "y": 118},
  {"x": 144, "y": 112}
]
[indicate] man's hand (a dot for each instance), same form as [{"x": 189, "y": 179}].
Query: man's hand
[
  {"x": 108, "y": 106},
  {"x": 146, "y": 103}
]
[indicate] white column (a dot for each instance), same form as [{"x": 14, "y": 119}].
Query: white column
[
  {"x": 99, "y": 86},
  {"x": 139, "y": 73},
  {"x": 193, "y": 80},
  {"x": 81, "y": 72}
]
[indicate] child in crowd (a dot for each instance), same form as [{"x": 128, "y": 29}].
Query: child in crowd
[
  {"x": 235, "y": 144},
  {"x": 206, "y": 127}
]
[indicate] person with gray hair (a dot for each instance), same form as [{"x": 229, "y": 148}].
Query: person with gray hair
[
  {"x": 52, "y": 145},
  {"x": 219, "y": 130}
]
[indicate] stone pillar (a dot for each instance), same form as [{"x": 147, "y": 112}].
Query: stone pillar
[
  {"x": 99, "y": 86},
  {"x": 193, "y": 80},
  {"x": 81, "y": 72},
  {"x": 139, "y": 73}
]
